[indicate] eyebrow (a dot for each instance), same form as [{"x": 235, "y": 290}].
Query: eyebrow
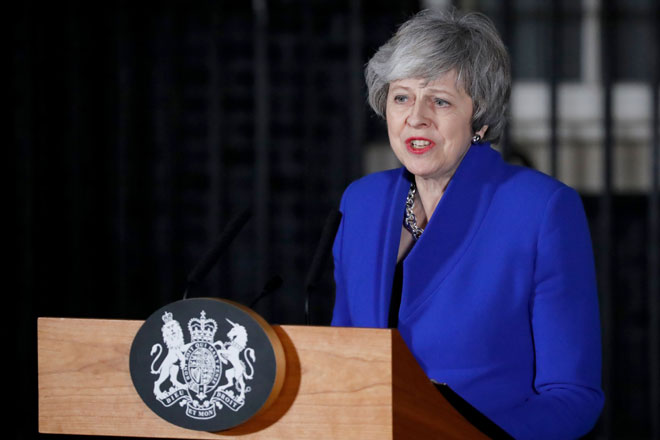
[
  {"x": 432, "y": 90},
  {"x": 399, "y": 87}
]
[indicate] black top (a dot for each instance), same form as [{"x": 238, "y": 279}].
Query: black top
[{"x": 395, "y": 302}]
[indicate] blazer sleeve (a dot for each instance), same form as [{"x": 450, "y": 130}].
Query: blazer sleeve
[
  {"x": 566, "y": 329},
  {"x": 340, "y": 314}
]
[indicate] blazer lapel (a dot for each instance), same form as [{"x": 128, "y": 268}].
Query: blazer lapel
[
  {"x": 391, "y": 232},
  {"x": 451, "y": 228}
]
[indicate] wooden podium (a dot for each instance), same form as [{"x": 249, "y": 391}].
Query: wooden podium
[{"x": 343, "y": 383}]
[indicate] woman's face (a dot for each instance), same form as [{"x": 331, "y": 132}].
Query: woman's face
[{"x": 429, "y": 125}]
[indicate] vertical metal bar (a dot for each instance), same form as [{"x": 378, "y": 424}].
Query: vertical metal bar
[
  {"x": 654, "y": 271},
  {"x": 161, "y": 47},
  {"x": 123, "y": 118},
  {"x": 262, "y": 174},
  {"x": 75, "y": 180},
  {"x": 25, "y": 302},
  {"x": 555, "y": 62},
  {"x": 310, "y": 104},
  {"x": 356, "y": 80},
  {"x": 174, "y": 129},
  {"x": 654, "y": 239},
  {"x": 590, "y": 64},
  {"x": 608, "y": 56},
  {"x": 213, "y": 140},
  {"x": 507, "y": 36}
]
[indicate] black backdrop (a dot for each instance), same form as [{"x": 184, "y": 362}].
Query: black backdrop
[{"x": 139, "y": 130}]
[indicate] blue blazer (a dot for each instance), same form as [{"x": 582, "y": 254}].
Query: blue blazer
[{"x": 499, "y": 294}]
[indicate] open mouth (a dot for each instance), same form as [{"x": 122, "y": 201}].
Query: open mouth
[{"x": 419, "y": 146}]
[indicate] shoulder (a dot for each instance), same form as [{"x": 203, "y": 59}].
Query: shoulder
[
  {"x": 533, "y": 205},
  {"x": 523, "y": 198},
  {"x": 532, "y": 189},
  {"x": 376, "y": 182},
  {"x": 528, "y": 183},
  {"x": 513, "y": 183},
  {"x": 372, "y": 189}
]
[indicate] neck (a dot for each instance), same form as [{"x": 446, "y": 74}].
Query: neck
[{"x": 430, "y": 191}]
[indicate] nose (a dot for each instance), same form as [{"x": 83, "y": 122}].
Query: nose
[{"x": 418, "y": 117}]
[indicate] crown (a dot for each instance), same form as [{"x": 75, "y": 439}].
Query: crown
[
  {"x": 167, "y": 317},
  {"x": 202, "y": 329}
]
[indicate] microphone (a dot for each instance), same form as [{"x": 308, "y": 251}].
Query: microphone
[
  {"x": 220, "y": 245},
  {"x": 271, "y": 286},
  {"x": 320, "y": 256}
]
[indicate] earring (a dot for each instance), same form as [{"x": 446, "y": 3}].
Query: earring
[{"x": 476, "y": 139}]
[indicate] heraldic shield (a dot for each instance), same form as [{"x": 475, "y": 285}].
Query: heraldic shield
[{"x": 224, "y": 369}]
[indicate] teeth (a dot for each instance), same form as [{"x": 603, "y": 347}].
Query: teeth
[{"x": 419, "y": 144}]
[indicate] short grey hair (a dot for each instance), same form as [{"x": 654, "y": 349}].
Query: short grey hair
[{"x": 433, "y": 43}]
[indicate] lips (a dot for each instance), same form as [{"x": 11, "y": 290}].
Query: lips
[{"x": 417, "y": 145}]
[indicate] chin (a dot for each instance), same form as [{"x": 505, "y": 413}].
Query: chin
[
  {"x": 423, "y": 170},
  {"x": 423, "y": 174}
]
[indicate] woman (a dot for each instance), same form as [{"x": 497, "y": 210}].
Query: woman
[{"x": 485, "y": 268}]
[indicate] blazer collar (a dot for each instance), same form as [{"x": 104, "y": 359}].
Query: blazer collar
[
  {"x": 392, "y": 236},
  {"x": 448, "y": 234}
]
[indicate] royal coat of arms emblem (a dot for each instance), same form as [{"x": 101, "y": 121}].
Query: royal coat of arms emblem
[
  {"x": 206, "y": 364},
  {"x": 192, "y": 373}
]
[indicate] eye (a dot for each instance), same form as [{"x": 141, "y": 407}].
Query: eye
[
  {"x": 400, "y": 99},
  {"x": 440, "y": 102}
]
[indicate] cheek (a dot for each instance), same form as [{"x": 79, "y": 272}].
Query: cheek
[
  {"x": 393, "y": 124},
  {"x": 393, "y": 139},
  {"x": 457, "y": 129}
]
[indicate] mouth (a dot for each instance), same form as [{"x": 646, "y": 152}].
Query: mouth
[{"x": 419, "y": 145}]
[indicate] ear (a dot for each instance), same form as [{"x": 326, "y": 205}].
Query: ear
[{"x": 482, "y": 131}]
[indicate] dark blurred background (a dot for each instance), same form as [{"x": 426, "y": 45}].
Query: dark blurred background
[{"x": 140, "y": 129}]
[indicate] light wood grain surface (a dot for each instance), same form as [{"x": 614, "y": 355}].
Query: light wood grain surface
[{"x": 339, "y": 384}]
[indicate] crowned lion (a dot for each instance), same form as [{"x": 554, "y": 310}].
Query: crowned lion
[{"x": 168, "y": 369}]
